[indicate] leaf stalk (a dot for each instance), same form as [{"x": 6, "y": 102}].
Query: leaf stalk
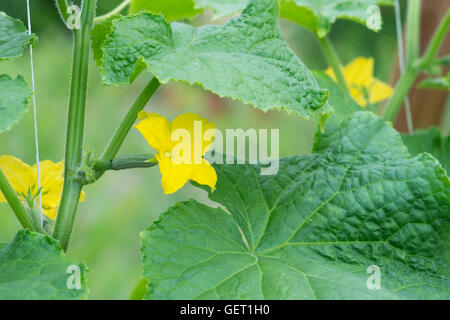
[
  {"x": 127, "y": 123},
  {"x": 62, "y": 8},
  {"x": 334, "y": 62},
  {"x": 117, "y": 10}
]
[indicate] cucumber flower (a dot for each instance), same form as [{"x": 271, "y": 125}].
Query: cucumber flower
[
  {"x": 23, "y": 179},
  {"x": 181, "y": 146},
  {"x": 364, "y": 88}
]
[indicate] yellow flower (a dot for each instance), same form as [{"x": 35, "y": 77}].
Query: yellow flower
[
  {"x": 162, "y": 136},
  {"x": 364, "y": 88},
  {"x": 23, "y": 179}
]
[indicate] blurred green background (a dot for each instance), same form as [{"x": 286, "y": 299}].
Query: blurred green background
[{"x": 121, "y": 204}]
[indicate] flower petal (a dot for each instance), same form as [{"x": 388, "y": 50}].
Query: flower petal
[
  {"x": 358, "y": 95},
  {"x": 359, "y": 72},
  {"x": 331, "y": 74},
  {"x": 156, "y": 130},
  {"x": 83, "y": 196},
  {"x": 205, "y": 174},
  {"x": 52, "y": 182},
  {"x": 19, "y": 174},
  {"x": 187, "y": 122},
  {"x": 379, "y": 91},
  {"x": 50, "y": 212},
  {"x": 174, "y": 176}
]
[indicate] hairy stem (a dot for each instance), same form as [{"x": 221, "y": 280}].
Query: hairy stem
[
  {"x": 117, "y": 10},
  {"x": 127, "y": 123},
  {"x": 62, "y": 8},
  {"x": 412, "y": 71},
  {"x": 75, "y": 127},
  {"x": 16, "y": 205},
  {"x": 333, "y": 61}
]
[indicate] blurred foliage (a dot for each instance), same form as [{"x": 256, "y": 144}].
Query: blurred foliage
[{"x": 120, "y": 205}]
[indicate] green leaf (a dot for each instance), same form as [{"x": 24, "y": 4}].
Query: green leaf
[
  {"x": 246, "y": 59},
  {"x": 171, "y": 9},
  {"x": 14, "y": 94},
  {"x": 98, "y": 37},
  {"x": 222, "y": 8},
  {"x": 437, "y": 83},
  {"x": 34, "y": 266},
  {"x": 316, "y": 15},
  {"x": 430, "y": 141},
  {"x": 319, "y": 16},
  {"x": 312, "y": 230},
  {"x": 14, "y": 37}
]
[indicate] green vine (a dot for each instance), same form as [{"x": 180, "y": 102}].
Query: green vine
[
  {"x": 414, "y": 68},
  {"x": 75, "y": 126}
]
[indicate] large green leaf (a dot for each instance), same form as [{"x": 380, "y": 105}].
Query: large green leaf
[
  {"x": 14, "y": 95},
  {"x": 14, "y": 37},
  {"x": 316, "y": 15},
  {"x": 34, "y": 266},
  {"x": 170, "y": 9},
  {"x": 246, "y": 59},
  {"x": 430, "y": 141},
  {"x": 312, "y": 230}
]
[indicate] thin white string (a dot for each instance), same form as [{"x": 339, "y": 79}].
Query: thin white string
[
  {"x": 36, "y": 140},
  {"x": 401, "y": 58}
]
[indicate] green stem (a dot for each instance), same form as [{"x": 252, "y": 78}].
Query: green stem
[
  {"x": 127, "y": 123},
  {"x": 16, "y": 205},
  {"x": 62, "y": 8},
  {"x": 75, "y": 127},
  {"x": 129, "y": 161},
  {"x": 408, "y": 78},
  {"x": 333, "y": 61},
  {"x": 412, "y": 31},
  {"x": 401, "y": 91},
  {"x": 140, "y": 290},
  {"x": 117, "y": 10},
  {"x": 436, "y": 41}
]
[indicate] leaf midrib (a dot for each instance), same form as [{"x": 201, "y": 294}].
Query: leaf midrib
[{"x": 352, "y": 162}]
